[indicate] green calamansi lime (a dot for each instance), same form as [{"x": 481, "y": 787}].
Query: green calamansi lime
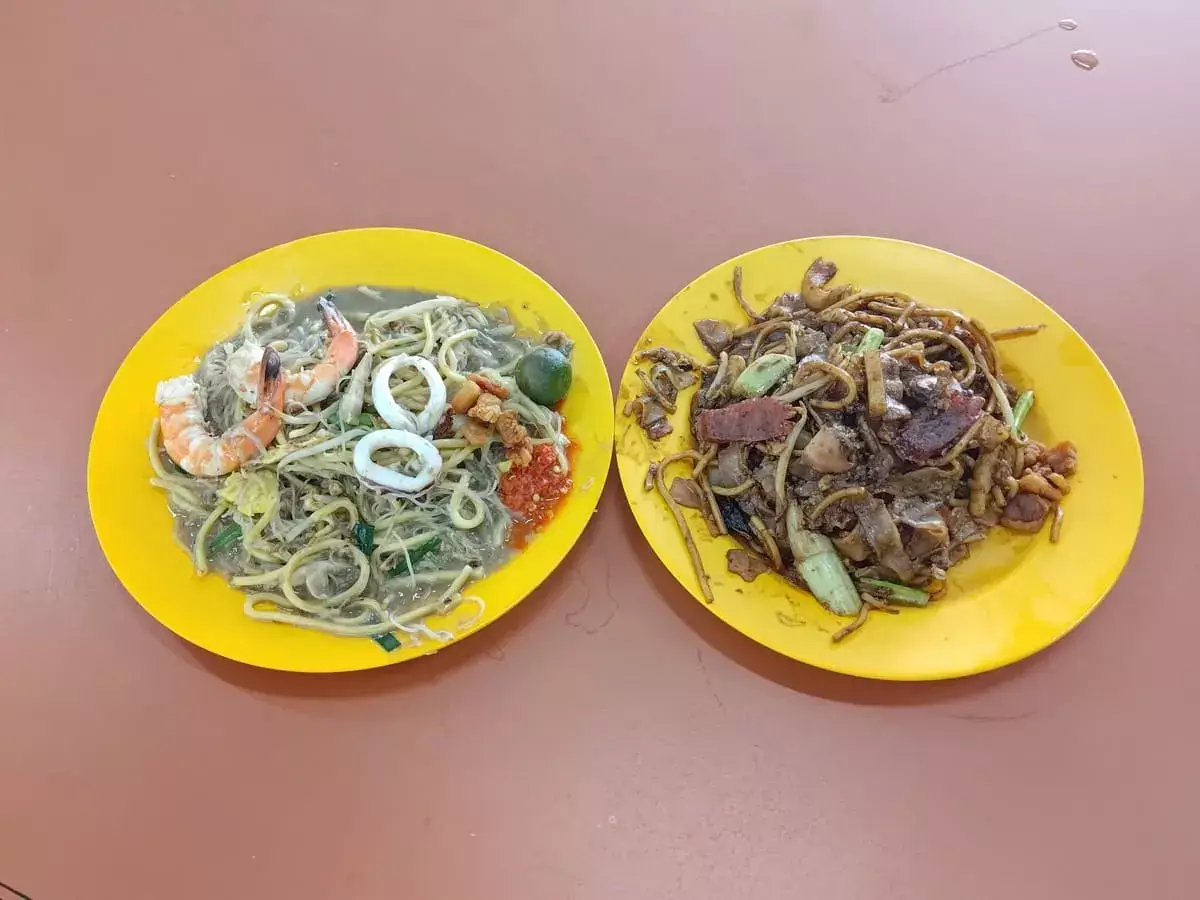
[{"x": 544, "y": 375}]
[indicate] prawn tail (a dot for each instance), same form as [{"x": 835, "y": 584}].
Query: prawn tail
[{"x": 335, "y": 322}]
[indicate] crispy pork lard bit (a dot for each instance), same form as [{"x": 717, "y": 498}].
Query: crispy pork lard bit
[
  {"x": 1025, "y": 512},
  {"x": 815, "y": 288},
  {"x": 751, "y": 421}
]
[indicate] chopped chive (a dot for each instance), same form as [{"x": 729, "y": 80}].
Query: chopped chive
[
  {"x": 226, "y": 537},
  {"x": 821, "y": 567},
  {"x": 1020, "y": 411},
  {"x": 417, "y": 554},
  {"x": 872, "y": 340},
  {"x": 365, "y": 420},
  {"x": 364, "y": 537},
  {"x": 900, "y": 594},
  {"x": 387, "y": 641}
]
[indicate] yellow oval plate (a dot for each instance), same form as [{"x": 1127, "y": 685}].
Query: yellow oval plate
[
  {"x": 131, "y": 517},
  {"x": 1015, "y": 594}
]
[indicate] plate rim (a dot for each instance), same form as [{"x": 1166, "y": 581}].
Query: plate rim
[
  {"x": 594, "y": 491},
  {"x": 630, "y": 489}
]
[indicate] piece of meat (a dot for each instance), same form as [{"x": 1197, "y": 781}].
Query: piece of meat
[
  {"x": 853, "y": 545},
  {"x": 810, "y": 342},
  {"x": 651, "y": 415},
  {"x": 475, "y": 433},
  {"x": 670, "y": 382},
  {"x": 1025, "y": 512},
  {"x": 746, "y": 564},
  {"x": 880, "y": 531},
  {"x": 929, "y": 388},
  {"x": 486, "y": 384},
  {"x": 830, "y": 451},
  {"x": 764, "y": 476},
  {"x": 730, "y": 469},
  {"x": 464, "y": 398},
  {"x": 512, "y": 432},
  {"x": 1062, "y": 459},
  {"x": 486, "y": 408},
  {"x": 930, "y": 433},
  {"x": 715, "y": 334},
  {"x": 687, "y": 493},
  {"x": 669, "y": 357},
  {"x": 757, "y": 419}
]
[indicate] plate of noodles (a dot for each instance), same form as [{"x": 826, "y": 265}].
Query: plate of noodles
[
  {"x": 878, "y": 458},
  {"x": 350, "y": 450}
]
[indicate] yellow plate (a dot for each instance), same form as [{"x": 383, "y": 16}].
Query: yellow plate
[
  {"x": 131, "y": 517},
  {"x": 1015, "y": 594}
]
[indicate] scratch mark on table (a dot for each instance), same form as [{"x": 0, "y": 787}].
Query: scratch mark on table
[
  {"x": 707, "y": 679},
  {"x": 891, "y": 95},
  {"x": 14, "y": 891},
  {"x": 575, "y": 618},
  {"x": 497, "y": 652},
  {"x": 987, "y": 717}
]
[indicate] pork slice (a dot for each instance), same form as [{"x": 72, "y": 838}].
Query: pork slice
[
  {"x": 715, "y": 334},
  {"x": 749, "y": 421},
  {"x": 687, "y": 493},
  {"x": 931, "y": 432},
  {"x": 746, "y": 564}
]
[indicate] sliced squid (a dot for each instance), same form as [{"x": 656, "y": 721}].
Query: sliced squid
[
  {"x": 389, "y": 479},
  {"x": 396, "y": 415}
]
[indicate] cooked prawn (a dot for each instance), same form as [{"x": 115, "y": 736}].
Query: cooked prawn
[
  {"x": 198, "y": 451},
  {"x": 307, "y": 387}
]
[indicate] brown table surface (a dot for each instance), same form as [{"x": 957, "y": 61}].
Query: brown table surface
[{"x": 610, "y": 739}]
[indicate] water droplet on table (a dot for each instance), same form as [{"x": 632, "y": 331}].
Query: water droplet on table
[
  {"x": 1085, "y": 59},
  {"x": 1068, "y": 24}
]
